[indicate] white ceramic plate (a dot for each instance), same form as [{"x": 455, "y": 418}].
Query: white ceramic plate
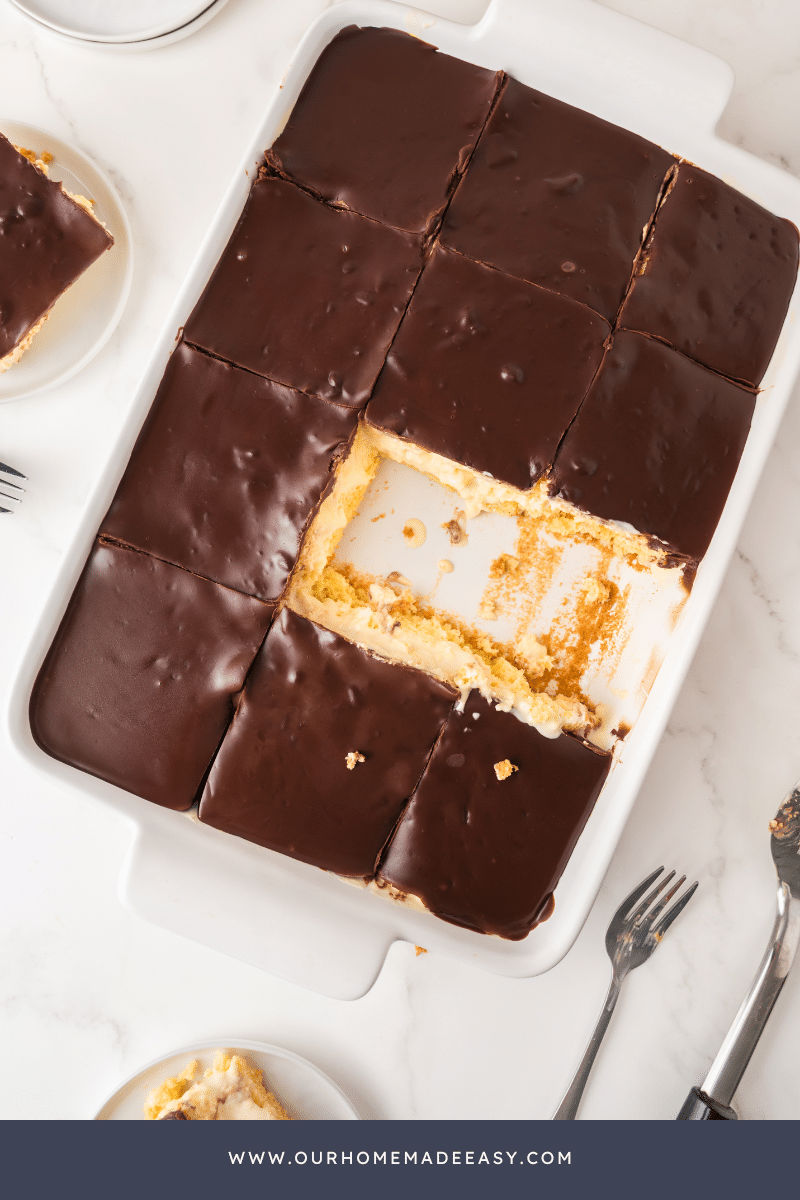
[
  {"x": 84, "y": 318},
  {"x": 129, "y": 42},
  {"x": 122, "y": 21},
  {"x": 305, "y": 1092}
]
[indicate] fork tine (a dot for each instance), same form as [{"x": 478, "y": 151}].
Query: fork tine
[
  {"x": 638, "y": 914},
  {"x": 673, "y": 912},
  {"x": 665, "y": 899},
  {"x": 636, "y": 894},
  {"x": 8, "y": 489}
]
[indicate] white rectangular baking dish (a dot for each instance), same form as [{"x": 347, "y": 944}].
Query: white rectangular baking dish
[{"x": 284, "y": 916}]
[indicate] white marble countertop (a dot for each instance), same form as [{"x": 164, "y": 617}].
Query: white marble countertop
[{"x": 88, "y": 992}]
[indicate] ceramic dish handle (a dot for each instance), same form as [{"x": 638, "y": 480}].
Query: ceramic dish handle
[
  {"x": 254, "y": 905},
  {"x": 630, "y": 59}
]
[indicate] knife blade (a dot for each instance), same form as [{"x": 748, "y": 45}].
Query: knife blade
[{"x": 712, "y": 1100}]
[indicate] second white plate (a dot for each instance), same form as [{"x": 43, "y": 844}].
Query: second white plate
[
  {"x": 128, "y": 42},
  {"x": 84, "y": 318},
  {"x": 305, "y": 1092},
  {"x": 125, "y": 20}
]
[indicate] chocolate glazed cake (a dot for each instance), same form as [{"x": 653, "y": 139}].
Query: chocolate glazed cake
[
  {"x": 558, "y": 197},
  {"x": 385, "y": 126},
  {"x": 716, "y": 277},
  {"x": 47, "y": 240},
  {"x": 493, "y": 821},
  {"x": 141, "y": 680},
  {"x": 307, "y": 295},
  {"x": 444, "y": 269},
  {"x": 487, "y": 370},
  {"x": 226, "y": 472},
  {"x": 656, "y": 444},
  {"x": 326, "y": 747}
]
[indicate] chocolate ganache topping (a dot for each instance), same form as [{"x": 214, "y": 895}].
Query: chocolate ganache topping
[
  {"x": 46, "y": 241},
  {"x": 283, "y": 776},
  {"x": 483, "y": 847}
]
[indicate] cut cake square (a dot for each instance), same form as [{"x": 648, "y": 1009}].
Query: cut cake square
[
  {"x": 307, "y": 295},
  {"x": 716, "y": 276},
  {"x": 559, "y": 197},
  {"x": 494, "y": 819},
  {"x": 384, "y": 125},
  {"x": 140, "y": 682},
  {"x": 225, "y": 473},
  {"x": 487, "y": 370},
  {"x": 656, "y": 444},
  {"x": 326, "y": 747}
]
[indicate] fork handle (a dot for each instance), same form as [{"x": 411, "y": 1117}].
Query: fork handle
[
  {"x": 568, "y": 1107},
  {"x": 728, "y": 1067}
]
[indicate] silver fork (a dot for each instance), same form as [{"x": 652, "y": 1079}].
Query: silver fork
[
  {"x": 8, "y": 489},
  {"x": 631, "y": 938},
  {"x": 712, "y": 1100}
]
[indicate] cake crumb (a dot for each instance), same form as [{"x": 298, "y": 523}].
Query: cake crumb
[
  {"x": 352, "y": 758},
  {"x": 596, "y": 591},
  {"x": 504, "y": 564},
  {"x": 415, "y": 533},
  {"x": 504, "y": 769},
  {"x": 41, "y": 160},
  {"x": 420, "y": 950},
  {"x": 456, "y": 528},
  {"x": 782, "y": 825},
  {"x": 487, "y": 610},
  {"x": 381, "y": 596},
  {"x": 396, "y": 578},
  {"x": 534, "y": 654},
  {"x": 445, "y": 565}
]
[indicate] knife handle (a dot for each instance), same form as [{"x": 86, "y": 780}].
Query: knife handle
[{"x": 699, "y": 1107}]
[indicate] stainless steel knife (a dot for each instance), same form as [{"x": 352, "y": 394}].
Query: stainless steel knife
[{"x": 712, "y": 1100}]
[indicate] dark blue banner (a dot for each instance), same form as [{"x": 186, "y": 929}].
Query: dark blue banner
[{"x": 397, "y": 1159}]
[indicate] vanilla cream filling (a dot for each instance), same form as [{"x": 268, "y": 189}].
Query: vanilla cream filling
[
  {"x": 482, "y": 493},
  {"x": 386, "y": 618},
  {"x": 231, "y": 1090}
]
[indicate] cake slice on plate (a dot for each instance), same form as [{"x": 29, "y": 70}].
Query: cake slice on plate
[
  {"x": 47, "y": 239},
  {"x": 232, "y": 1090}
]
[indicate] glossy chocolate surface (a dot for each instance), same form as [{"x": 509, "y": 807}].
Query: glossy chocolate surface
[
  {"x": 306, "y": 294},
  {"x": 142, "y": 677},
  {"x": 46, "y": 242},
  {"x": 719, "y": 275},
  {"x": 487, "y": 370},
  {"x": 384, "y": 124},
  {"x": 226, "y": 472},
  {"x": 487, "y": 853},
  {"x": 557, "y": 196},
  {"x": 281, "y": 777},
  {"x": 656, "y": 444}
]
